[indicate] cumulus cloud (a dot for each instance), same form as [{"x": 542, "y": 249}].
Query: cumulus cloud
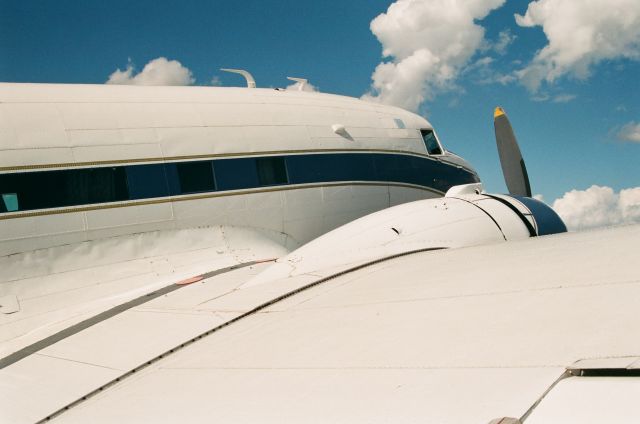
[
  {"x": 630, "y": 132},
  {"x": 598, "y": 207},
  {"x": 580, "y": 34},
  {"x": 159, "y": 71},
  {"x": 427, "y": 44}
]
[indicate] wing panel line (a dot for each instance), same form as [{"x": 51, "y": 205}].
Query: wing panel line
[
  {"x": 231, "y": 321},
  {"x": 103, "y": 316}
]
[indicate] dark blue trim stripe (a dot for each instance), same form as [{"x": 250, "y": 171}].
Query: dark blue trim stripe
[{"x": 39, "y": 190}]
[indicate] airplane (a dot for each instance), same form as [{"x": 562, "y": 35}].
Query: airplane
[{"x": 244, "y": 254}]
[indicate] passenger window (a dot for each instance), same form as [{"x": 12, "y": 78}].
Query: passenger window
[
  {"x": 147, "y": 181},
  {"x": 430, "y": 142},
  {"x": 271, "y": 171},
  {"x": 235, "y": 174},
  {"x": 85, "y": 186},
  {"x": 9, "y": 202},
  {"x": 195, "y": 177}
]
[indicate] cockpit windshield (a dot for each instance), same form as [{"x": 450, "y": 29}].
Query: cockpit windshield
[{"x": 431, "y": 142}]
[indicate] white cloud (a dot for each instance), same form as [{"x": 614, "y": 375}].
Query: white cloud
[
  {"x": 541, "y": 97},
  {"x": 564, "y": 98},
  {"x": 480, "y": 71},
  {"x": 580, "y": 34},
  {"x": 428, "y": 43},
  {"x": 630, "y": 132},
  {"x": 505, "y": 38},
  {"x": 159, "y": 71},
  {"x": 482, "y": 62},
  {"x": 504, "y": 79},
  {"x": 598, "y": 207},
  {"x": 558, "y": 98}
]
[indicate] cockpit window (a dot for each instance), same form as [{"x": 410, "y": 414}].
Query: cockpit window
[{"x": 431, "y": 143}]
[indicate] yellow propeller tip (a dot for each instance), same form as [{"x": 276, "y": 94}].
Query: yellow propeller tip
[{"x": 498, "y": 112}]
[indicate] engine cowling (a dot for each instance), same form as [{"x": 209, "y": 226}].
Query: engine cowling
[
  {"x": 538, "y": 218},
  {"x": 464, "y": 217}
]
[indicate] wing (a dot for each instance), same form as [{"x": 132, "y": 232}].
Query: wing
[{"x": 537, "y": 329}]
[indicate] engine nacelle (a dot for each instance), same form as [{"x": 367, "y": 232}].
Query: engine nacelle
[
  {"x": 464, "y": 217},
  {"x": 538, "y": 218}
]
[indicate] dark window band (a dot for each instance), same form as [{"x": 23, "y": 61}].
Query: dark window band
[{"x": 85, "y": 186}]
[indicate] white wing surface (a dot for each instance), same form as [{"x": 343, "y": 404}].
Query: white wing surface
[{"x": 453, "y": 336}]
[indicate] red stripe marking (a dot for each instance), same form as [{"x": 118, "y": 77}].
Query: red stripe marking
[{"x": 190, "y": 280}]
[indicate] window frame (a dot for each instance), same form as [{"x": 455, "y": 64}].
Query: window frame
[{"x": 435, "y": 136}]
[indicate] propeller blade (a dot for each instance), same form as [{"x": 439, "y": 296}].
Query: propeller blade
[{"x": 513, "y": 167}]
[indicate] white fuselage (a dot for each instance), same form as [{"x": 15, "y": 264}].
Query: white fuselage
[{"x": 50, "y": 130}]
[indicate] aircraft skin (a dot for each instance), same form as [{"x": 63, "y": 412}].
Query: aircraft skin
[
  {"x": 61, "y": 127},
  {"x": 252, "y": 255},
  {"x": 60, "y": 139}
]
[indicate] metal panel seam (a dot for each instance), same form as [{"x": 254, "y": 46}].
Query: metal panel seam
[{"x": 232, "y": 321}]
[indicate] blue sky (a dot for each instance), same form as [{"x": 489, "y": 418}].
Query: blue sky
[{"x": 571, "y": 130}]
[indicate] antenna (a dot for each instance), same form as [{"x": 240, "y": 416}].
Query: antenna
[
  {"x": 251, "y": 83},
  {"x": 302, "y": 82}
]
